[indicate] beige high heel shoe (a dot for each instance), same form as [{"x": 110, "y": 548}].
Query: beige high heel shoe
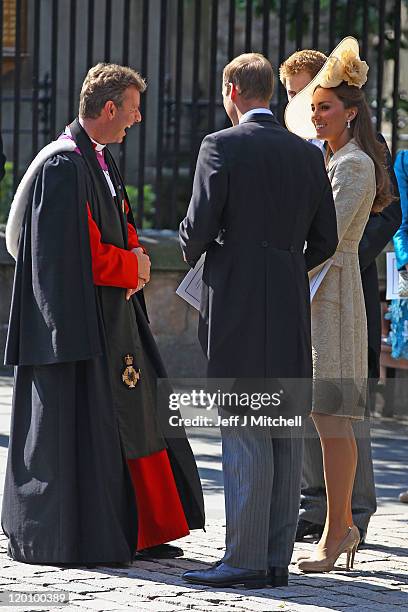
[{"x": 348, "y": 545}]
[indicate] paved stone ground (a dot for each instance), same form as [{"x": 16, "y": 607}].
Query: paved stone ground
[{"x": 378, "y": 582}]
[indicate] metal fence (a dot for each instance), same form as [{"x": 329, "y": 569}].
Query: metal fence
[{"x": 180, "y": 46}]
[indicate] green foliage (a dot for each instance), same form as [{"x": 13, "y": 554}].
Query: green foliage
[
  {"x": 6, "y": 192},
  {"x": 149, "y": 198}
]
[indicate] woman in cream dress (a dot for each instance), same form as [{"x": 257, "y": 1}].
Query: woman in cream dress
[
  {"x": 355, "y": 163},
  {"x": 339, "y": 325}
]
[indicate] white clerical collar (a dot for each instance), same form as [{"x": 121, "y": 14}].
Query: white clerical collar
[
  {"x": 97, "y": 145},
  {"x": 255, "y": 111}
]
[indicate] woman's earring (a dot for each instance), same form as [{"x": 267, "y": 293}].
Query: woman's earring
[{"x": 348, "y": 123}]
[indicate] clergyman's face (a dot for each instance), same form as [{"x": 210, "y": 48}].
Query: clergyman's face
[
  {"x": 125, "y": 115},
  {"x": 296, "y": 83}
]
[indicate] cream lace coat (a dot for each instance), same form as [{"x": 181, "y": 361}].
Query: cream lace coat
[{"x": 339, "y": 325}]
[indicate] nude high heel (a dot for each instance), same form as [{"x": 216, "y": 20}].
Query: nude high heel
[{"x": 348, "y": 545}]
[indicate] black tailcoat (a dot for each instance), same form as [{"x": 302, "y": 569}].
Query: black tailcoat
[
  {"x": 259, "y": 193},
  {"x": 68, "y": 496}
]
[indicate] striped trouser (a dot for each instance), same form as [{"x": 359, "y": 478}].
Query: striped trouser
[{"x": 262, "y": 476}]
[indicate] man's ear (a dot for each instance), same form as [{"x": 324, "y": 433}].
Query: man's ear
[
  {"x": 234, "y": 92},
  {"x": 110, "y": 109}
]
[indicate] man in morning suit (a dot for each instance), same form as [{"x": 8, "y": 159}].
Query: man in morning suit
[
  {"x": 259, "y": 193},
  {"x": 295, "y": 73}
]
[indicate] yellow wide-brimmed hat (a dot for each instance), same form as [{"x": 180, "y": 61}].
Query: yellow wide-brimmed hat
[{"x": 343, "y": 64}]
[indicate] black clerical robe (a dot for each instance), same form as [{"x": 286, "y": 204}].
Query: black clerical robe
[{"x": 68, "y": 493}]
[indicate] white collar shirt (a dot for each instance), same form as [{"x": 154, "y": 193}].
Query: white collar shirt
[{"x": 255, "y": 111}]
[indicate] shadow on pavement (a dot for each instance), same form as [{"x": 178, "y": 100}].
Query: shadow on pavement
[
  {"x": 390, "y": 461},
  {"x": 4, "y": 440},
  {"x": 168, "y": 572},
  {"x": 389, "y": 550}
]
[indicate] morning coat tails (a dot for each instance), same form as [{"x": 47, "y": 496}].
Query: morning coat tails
[{"x": 255, "y": 310}]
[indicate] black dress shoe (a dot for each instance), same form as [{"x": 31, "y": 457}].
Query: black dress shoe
[
  {"x": 278, "y": 576},
  {"x": 162, "y": 551},
  {"x": 224, "y": 575},
  {"x": 305, "y": 528}
]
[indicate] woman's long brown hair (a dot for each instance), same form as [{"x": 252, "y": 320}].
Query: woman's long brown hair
[{"x": 362, "y": 131}]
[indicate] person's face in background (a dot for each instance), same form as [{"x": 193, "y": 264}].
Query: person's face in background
[{"x": 296, "y": 83}]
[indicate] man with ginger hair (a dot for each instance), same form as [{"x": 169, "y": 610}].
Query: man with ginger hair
[
  {"x": 299, "y": 69},
  {"x": 295, "y": 73},
  {"x": 259, "y": 193},
  {"x": 92, "y": 474}
]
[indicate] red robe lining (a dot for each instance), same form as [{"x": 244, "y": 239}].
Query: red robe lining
[{"x": 161, "y": 516}]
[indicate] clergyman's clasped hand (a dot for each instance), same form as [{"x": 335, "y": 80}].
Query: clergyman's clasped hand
[{"x": 144, "y": 264}]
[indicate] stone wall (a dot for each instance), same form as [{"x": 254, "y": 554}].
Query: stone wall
[{"x": 173, "y": 321}]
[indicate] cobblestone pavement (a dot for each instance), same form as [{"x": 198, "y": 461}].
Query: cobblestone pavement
[{"x": 378, "y": 582}]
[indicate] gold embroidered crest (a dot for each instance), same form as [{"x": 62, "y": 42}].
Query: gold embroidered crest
[{"x": 130, "y": 376}]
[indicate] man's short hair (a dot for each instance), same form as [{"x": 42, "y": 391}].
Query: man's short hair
[
  {"x": 106, "y": 82},
  {"x": 252, "y": 75},
  {"x": 307, "y": 60}
]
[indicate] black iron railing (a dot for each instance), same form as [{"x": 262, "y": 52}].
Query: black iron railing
[{"x": 180, "y": 46}]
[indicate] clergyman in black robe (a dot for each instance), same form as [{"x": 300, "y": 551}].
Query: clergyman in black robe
[{"x": 93, "y": 474}]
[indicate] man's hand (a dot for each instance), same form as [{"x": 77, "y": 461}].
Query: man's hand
[
  {"x": 129, "y": 292},
  {"x": 143, "y": 261}
]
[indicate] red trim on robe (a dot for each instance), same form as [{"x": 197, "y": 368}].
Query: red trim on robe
[
  {"x": 161, "y": 516},
  {"x": 133, "y": 238},
  {"x": 111, "y": 265}
]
